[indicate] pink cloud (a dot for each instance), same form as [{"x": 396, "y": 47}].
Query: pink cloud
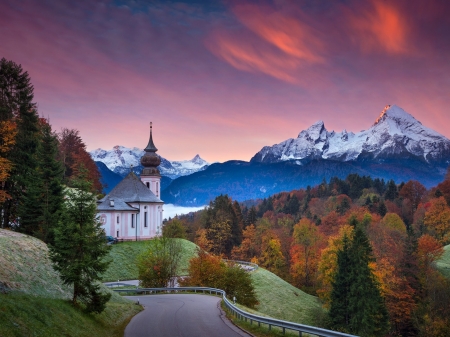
[{"x": 224, "y": 84}]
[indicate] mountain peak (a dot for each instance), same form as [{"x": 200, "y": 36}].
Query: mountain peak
[
  {"x": 394, "y": 112},
  {"x": 314, "y": 131}
]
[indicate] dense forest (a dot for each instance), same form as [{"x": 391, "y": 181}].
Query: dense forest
[
  {"x": 325, "y": 238},
  {"x": 36, "y": 162}
]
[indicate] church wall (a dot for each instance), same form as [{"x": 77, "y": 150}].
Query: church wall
[
  {"x": 154, "y": 183},
  {"x": 109, "y": 223}
]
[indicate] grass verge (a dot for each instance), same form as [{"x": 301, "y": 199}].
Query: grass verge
[
  {"x": 123, "y": 256},
  {"x": 259, "y": 330},
  {"x": 34, "y": 302},
  {"x": 443, "y": 264},
  {"x": 26, "y": 315}
]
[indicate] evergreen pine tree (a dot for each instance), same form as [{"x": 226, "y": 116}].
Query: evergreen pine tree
[
  {"x": 16, "y": 95},
  {"x": 382, "y": 209},
  {"x": 369, "y": 315},
  {"x": 357, "y": 306},
  {"x": 51, "y": 171},
  {"x": 251, "y": 217},
  {"x": 79, "y": 247},
  {"x": 339, "y": 313},
  {"x": 391, "y": 191}
]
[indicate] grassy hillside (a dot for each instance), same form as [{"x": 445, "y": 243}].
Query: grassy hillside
[
  {"x": 443, "y": 264},
  {"x": 33, "y": 301},
  {"x": 123, "y": 256},
  {"x": 281, "y": 300}
]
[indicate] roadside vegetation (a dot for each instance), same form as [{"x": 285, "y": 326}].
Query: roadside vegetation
[
  {"x": 124, "y": 255},
  {"x": 33, "y": 300}
]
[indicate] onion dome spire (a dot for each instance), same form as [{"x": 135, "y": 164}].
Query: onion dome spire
[
  {"x": 150, "y": 146},
  {"x": 150, "y": 160}
]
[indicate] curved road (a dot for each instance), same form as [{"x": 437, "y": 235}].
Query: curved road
[{"x": 181, "y": 315}]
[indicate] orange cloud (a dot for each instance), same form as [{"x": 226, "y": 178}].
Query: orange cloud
[
  {"x": 244, "y": 56},
  {"x": 290, "y": 35},
  {"x": 279, "y": 47},
  {"x": 382, "y": 27}
]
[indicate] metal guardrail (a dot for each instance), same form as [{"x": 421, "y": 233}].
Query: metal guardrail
[
  {"x": 254, "y": 266},
  {"x": 241, "y": 314}
]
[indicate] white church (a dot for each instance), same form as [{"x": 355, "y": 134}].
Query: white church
[{"x": 133, "y": 210}]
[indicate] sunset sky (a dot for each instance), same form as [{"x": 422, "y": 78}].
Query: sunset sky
[{"x": 225, "y": 78}]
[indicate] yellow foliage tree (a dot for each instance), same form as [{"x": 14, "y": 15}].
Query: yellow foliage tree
[
  {"x": 328, "y": 263},
  {"x": 393, "y": 221}
]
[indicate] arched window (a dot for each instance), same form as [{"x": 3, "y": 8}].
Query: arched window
[{"x": 148, "y": 184}]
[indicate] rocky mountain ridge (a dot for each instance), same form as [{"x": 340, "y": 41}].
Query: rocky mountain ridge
[
  {"x": 394, "y": 133},
  {"x": 120, "y": 159}
]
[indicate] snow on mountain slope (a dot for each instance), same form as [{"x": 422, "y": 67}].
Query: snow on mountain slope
[
  {"x": 394, "y": 133},
  {"x": 120, "y": 158}
]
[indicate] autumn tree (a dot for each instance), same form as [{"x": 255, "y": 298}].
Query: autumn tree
[
  {"x": 7, "y": 139},
  {"x": 158, "y": 265},
  {"x": 305, "y": 254},
  {"x": 437, "y": 219},
  {"x": 218, "y": 234},
  {"x": 174, "y": 229},
  {"x": 249, "y": 247},
  {"x": 208, "y": 270},
  {"x": 271, "y": 255},
  {"x": 414, "y": 191},
  {"x": 224, "y": 214},
  {"x": 75, "y": 158}
]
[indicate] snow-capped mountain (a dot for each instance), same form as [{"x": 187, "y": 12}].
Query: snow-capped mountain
[
  {"x": 395, "y": 133},
  {"x": 119, "y": 160}
]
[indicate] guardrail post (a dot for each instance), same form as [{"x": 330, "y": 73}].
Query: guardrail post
[
  {"x": 270, "y": 327},
  {"x": 284, "y": 330},
  {"x": 300, "y": 334}
]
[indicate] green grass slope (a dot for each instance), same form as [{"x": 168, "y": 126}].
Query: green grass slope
[
  {"x": 33, "y": 301},
  {"x": 123, "y": 256},
  {"x": 279, "y": 299},
  {"x": 443, "y": 264},
  {"x": 24, "y": 266}
]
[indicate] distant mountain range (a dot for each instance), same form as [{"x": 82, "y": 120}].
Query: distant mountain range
[
  {"x": 395, "y": 134},
  {"x": 120, "y": 159},
  {"x": 116, "y": 163},
  {"x": 396, "y": 146}
]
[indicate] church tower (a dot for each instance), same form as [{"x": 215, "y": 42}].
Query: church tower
[{"x": 150, "y": 175}]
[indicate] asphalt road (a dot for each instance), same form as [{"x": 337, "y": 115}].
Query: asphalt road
[{"x": 181, "y": 315}]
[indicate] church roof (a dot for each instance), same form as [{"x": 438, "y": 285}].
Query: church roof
[
  {"x": 119, "y": 205},
  {"x": 130, "y": 189}
]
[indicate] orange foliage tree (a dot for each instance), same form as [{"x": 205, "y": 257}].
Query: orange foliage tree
[
  {"x": 437, "y": 219},
  {"x": 305, "y": 254},
  {"x": 8, "y": 131}
]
